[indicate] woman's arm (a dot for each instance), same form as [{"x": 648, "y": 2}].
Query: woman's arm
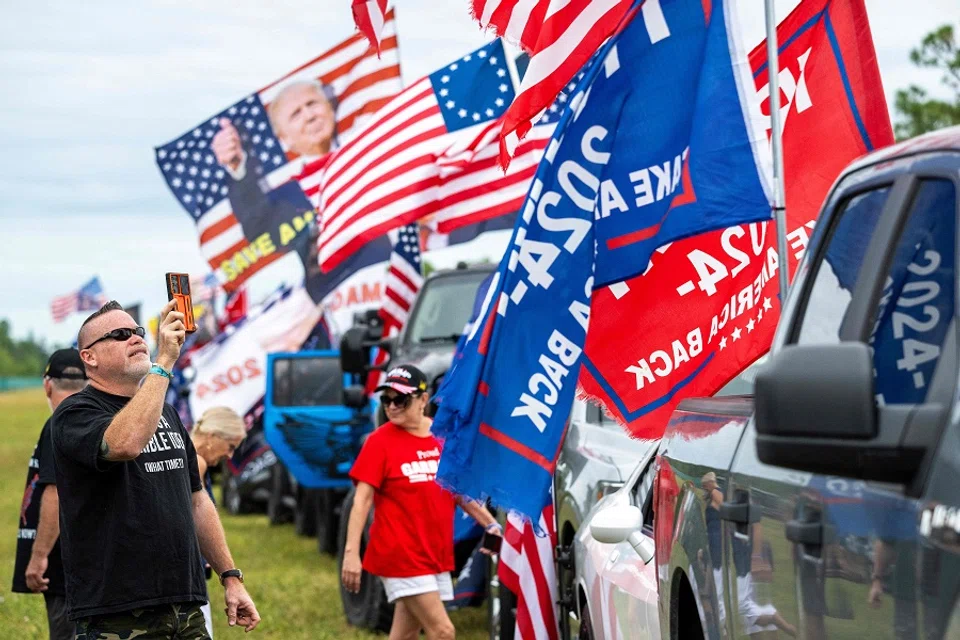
[
  {"x": 352, "y": 567},
  {"x": 477, "y": 511}
]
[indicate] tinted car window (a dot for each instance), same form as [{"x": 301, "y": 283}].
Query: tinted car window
[
  {"x": 443, "y": 308},
  {"x": 918, "y": 297},
  {"x": 837, "y": 273},
  {"x": 307, "y": 382}
]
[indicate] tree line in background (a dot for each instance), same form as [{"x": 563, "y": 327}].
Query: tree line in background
[
  {"x": 25, "y": 357},
  {"x": 919, "y": 112}
]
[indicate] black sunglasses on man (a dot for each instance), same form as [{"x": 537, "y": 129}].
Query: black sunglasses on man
[{"x": 120, "y": 335}]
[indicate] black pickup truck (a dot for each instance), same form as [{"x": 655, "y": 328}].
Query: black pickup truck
[{"x": 826, "y": 504}]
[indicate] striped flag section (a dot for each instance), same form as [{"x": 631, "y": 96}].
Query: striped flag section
[
  {"x": 526, "y": 568},
  {"x": 89, "y": 297},
  {"x": 361, "y": 82},
  {"x": 560, "y": 36},
  {"x": 404, "y": 279},
  {"x": 370, "y": 15},
  {"x": 389, "y": 175}
]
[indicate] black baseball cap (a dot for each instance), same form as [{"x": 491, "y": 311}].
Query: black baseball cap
[
  {"x": 405, "y": 379},
  {"x": 64, "y": 359}
]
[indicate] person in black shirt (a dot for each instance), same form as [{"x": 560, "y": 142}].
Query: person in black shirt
[
  {"x": 133, "y": 512},
  {"x": 39, "y": 568}
]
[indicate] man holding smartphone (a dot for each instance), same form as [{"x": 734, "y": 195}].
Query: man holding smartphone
[{"x": 132, "y": 506}]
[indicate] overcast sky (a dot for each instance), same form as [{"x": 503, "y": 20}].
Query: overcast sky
[{"x": 88, "y": 89}]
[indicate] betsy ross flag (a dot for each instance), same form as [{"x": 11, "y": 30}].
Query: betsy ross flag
[
  {"x": 389, "y": 174},
  {"x": 89, "y": 297},
  {"x": 526, "y": 568},
  {"x": 404, "y": 279},
  {"x": 352, "y": 78},
  {"x": 560, "y": 36}
]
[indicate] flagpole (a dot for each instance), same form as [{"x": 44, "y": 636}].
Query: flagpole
[{"x": 779, "y": 197}]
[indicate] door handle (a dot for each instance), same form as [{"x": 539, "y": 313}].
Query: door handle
[{"x": 738, "y": 512}]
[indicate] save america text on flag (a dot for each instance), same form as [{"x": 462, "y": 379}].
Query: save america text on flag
[
  {"x": 249, "y": 176},
  {"x": 682, "y": 147}
]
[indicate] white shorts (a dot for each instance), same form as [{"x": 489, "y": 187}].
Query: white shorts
[{"x": 403, "y": 587}]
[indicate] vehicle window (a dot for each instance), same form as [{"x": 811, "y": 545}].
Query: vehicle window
[
  {"x": 444, "y": 308},
  {"x": 307, "y": 382},
  {"x": 918, "y": 297},
  {"x": 742, "y": 385},
  {"x": 837, "y": 274},
  {"x": 642, "y": 495}
]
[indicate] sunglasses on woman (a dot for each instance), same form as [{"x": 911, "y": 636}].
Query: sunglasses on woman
[
  {"x": 400, "y": 401},
  {"x": 120, "y": 335}
]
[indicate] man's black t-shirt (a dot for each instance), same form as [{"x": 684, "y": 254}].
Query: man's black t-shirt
[
  {"x": 40, "y": 473},
  {"x": 127, "y": 532}
]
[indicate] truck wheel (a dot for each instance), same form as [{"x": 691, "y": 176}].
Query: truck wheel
[
  {"x": 586, "y": 625},
  {"x": 369, "y": 608},
  {"x": 277, "y": 512},
  {"x": 305, "y": 515},
  {"x": 327, "y": 522},
  {"x": 233, "y": 501}
]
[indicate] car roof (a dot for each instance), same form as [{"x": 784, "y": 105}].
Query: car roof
[{"x": 935, "y": 141}]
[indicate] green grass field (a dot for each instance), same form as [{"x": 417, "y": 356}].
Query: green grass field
[{"x": 295, "y": 588}]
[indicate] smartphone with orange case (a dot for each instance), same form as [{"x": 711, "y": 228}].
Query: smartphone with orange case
[{"x": 178, "y": 288}]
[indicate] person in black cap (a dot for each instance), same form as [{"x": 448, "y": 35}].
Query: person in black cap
[
  {"x": 411, "y": 538},
  {"x": 39, "y": 567}
]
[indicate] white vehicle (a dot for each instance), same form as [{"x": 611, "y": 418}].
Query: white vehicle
[{"x": 615, "y": 573}]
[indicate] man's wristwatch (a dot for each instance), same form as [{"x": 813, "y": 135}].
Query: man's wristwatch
[{"x": 231, "y": 573}]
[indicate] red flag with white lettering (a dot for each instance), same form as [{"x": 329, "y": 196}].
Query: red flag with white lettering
[{"x": 707, "y": 306}]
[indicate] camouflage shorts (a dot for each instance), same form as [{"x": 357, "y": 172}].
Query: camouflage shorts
[{"x": 166, "y": 621}]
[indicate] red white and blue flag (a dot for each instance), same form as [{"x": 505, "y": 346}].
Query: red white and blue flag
[
  {"x": 527, "y": 568},
  {"x": 89, "y": 297},
  {"x": 430, "y": 154},
  {"x": 370, "y": 16},
  {"x": 404, "y": 279},
  {"x": 716, "y": 294}
]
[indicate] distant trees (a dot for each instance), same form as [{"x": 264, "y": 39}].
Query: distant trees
[
  {"x": 918, "y": 113},
  {"x": 20, "y": 357}
]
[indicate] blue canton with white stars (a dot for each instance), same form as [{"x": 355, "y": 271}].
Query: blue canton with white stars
[
  {"x": 474, "y": 89},
  {"x": 190, "y": 169},
  {"x": 408, "y": 245}
]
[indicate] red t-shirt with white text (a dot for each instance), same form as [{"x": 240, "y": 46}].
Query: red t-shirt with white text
[{"x": 412, "y": 530}]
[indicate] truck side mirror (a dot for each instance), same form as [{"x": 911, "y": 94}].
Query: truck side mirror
[
  {"x": 354, "y": 351},
  {"x": 354, "y": 396},
  {"x": 816, "y": 412},
  {"x": 620, "y": 523},
  {"x": 818, "y": 390}
]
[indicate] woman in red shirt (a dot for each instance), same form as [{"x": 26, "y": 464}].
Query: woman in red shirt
[{"x": 411, "y": 538}]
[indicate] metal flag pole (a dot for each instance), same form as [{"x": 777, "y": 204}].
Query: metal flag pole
[{"x": 779, "y": 204}]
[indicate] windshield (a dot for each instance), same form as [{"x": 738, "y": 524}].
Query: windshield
[
  {"x": 307, "y": 382},
  {"x": 443, "y": 308}
]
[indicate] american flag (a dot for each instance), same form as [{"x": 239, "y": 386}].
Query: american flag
[
  {"x": 404, "y": 279},
  {"x": 205, "y": 287},
  {"x": 526, "y": 568},
  {"x": 360, "y": 81},
  {"x": 89, "y": 297},
  {"x": 369, "y": 16},
  {"x": 560, "y": 36}
]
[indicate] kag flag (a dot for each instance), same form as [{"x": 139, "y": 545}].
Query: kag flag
[
  {"x": 249, "y": 176},
  {"x": 640, "y": 157},
  {"x": 708, "y": 305}
]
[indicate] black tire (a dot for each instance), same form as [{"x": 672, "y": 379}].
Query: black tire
[
  {"x": 369, "y": 608},
  {"x": 586, "y": 625},
  {"x": 231, "y": 497},
  {"x": 305, "y": 515},
  {"x": 277, "y": 512},
  {"x": 328, "y": 523}
]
